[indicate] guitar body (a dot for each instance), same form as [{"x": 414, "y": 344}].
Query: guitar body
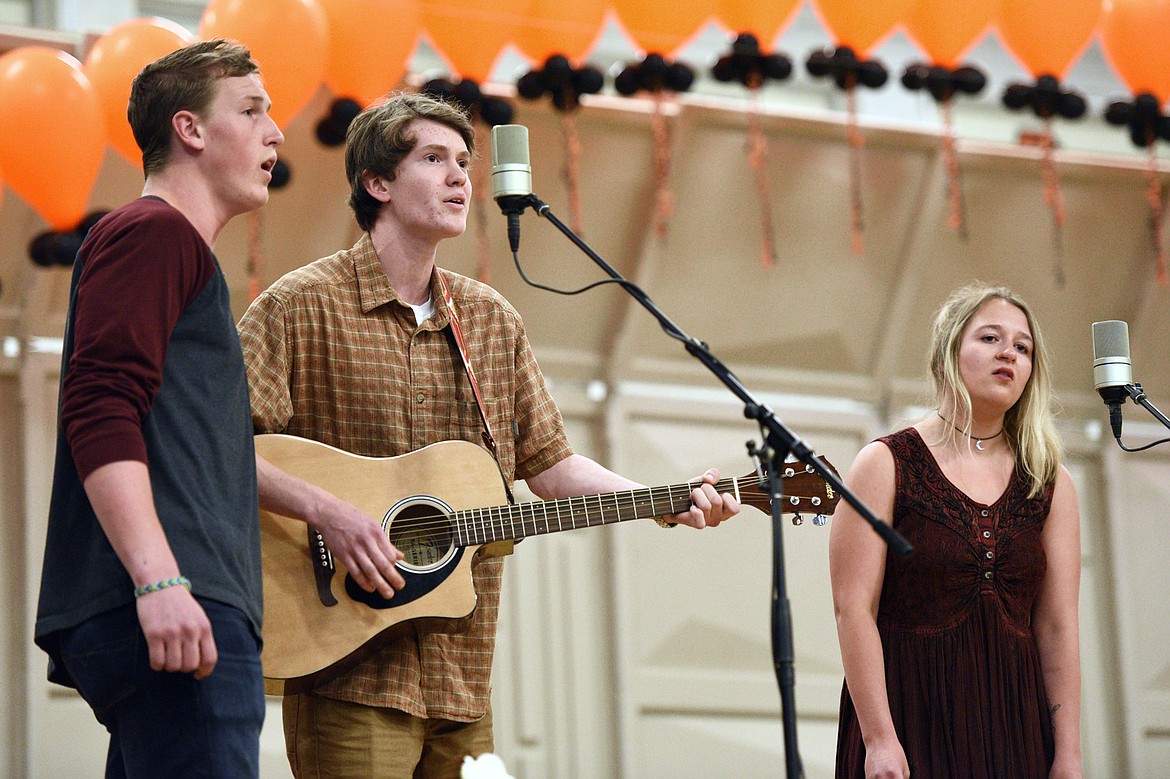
[
  {"x": 306, "y": 641},
  {"x": 442, "y": 507}
]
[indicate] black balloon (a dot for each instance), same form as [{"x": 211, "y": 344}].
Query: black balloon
[
  {"x": 750, "y": 66},
  {"x": 846, "y": 69},
  {"x": 281, "y": 174}
]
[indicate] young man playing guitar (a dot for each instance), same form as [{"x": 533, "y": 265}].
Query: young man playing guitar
[{"x": 357, "y": 350}]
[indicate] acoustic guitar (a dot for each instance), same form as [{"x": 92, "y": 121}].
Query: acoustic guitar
[{"x": 442, "y": 506}]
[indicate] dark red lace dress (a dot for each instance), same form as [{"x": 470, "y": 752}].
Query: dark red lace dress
[{"x": 962, "y": 670}]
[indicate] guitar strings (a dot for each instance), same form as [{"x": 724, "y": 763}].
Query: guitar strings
[{"x": 480, "y": 520}]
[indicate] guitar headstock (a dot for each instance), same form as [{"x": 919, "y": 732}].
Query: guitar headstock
[{"x": 805, "y": 492}]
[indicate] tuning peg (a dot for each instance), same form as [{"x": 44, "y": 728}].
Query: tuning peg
[
  {"x": 797, "y": 520},
  {"x": 820, "y": 520}
]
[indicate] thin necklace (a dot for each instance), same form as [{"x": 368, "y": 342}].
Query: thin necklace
[{"x": 978, "y": 441}]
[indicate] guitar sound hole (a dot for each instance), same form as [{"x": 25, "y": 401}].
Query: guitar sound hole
[{"x": 422, "y": 531}]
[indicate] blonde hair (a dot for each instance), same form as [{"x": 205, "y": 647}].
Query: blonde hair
[{"x": 1028, "y": 425}]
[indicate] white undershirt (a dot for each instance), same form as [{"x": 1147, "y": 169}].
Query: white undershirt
[{"x": 424, "y": 311}]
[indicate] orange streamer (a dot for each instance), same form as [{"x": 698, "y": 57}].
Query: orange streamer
[
  {"x": 1054, "y": 198},
  {"x": 572, "y": 171},
  {"x": 479, "y": 188},
  {"x": 958, "y": 210},
  {"x": 255, "y": 260},
  {"x": 663, "y": 197},
  {"x": 1154, "y": 197},
  {"x": 856, "y": 142},
  {"x": 757, "y": 149}
]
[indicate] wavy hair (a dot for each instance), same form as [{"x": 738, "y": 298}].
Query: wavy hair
[
  {"x": 1028, "y": 425},
  {"x": 381, "y": 136}
]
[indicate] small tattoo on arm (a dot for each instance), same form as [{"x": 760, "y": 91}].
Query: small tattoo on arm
[{"x": 1052, "y": 710}]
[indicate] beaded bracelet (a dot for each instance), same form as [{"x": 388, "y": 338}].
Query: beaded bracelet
[{"x": 147, "y": 588}]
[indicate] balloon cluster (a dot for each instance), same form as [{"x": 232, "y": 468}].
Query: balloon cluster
[
  {"x": 845, "y": 68},
  {"x": 492, "y": 110},
  {"x": 561, "y": 81},
  {"x": 654, "y": 73},
  {"x": 749, "y": 65},
  {"x": 60, "y": 247},
  {"x": 943, "y": 83},
  {"x": 1144, "y": 117},
  {"x": 332, "y": 127},
  {"x": 1046, "y": 98}
]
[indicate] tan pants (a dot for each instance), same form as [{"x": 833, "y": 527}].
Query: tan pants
[{"x": 329, "y": 739}]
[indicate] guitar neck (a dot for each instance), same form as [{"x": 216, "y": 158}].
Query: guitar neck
[{"x": 509, "y": 522}]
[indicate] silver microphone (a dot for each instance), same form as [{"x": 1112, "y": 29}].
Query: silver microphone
[
  {"x": 1112, "y": 371},
  {"x": 1111, "y": 366},
  {"x": 511, "y": 176},
  {"x": 511, "y": 168}
]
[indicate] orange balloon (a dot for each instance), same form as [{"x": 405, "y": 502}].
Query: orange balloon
[
  {"x": 947, "y": 31},
  {"x": 560, "y": 27},
  {"x": 861, "y": 24},
  {"x": 764, "y": 20},
  {"x": 662, "y": 27},
  {"x": 1135, "y": 35},
  {"x": 54, "y": 136},
  {"x": 116, "y": 59},
  {"x": 471, "y": 33},
  {"x": 288, "y": 38},
  {"x": 364, "y": 64},
  {"x": 1048, "y": 37}
]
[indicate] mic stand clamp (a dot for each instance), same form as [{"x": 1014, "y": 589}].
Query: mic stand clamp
[
  {"x": 779, "y": 441},
  {"x": 1139, "y": 397}
]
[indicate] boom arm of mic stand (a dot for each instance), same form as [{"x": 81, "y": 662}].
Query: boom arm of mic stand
[
  {"x": 784, "y": 437},
  {"x": 1139, "y": 396},
  {"x": 779, "y": 440}
]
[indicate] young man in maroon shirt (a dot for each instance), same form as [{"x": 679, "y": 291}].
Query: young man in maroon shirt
[{"x": 150, "y": 599}]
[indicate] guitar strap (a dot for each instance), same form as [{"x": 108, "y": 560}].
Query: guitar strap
[{"x": 489, "y": 440}]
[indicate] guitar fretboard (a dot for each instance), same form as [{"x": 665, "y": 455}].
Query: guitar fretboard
[{"x": 501, "y": 523}]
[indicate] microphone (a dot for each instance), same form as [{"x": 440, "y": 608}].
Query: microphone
[
  {"x": 511, "y": 175},
  {"x": 1112, "y": 371}
]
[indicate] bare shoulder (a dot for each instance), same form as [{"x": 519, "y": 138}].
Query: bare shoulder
[
  {"x": 875, "y": 462},
  {"x": 871, "y": 477},
  {"x": 1064, "y": 493}
]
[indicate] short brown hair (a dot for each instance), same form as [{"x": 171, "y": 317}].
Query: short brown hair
[
  {"x": 181, "y": 81},
  {"x": 380, "y": 137}
]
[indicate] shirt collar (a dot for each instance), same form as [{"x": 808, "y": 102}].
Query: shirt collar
[{"x": 374, "y": 288}]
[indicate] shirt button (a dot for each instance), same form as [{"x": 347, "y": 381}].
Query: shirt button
[
  {"x": 422, "y": 398},
  {"x": 990, "y": 555},
  {"x": 987, "y": 534},
  {"x": 987, "y": 574},
  {"x": 984, "y": 513}
]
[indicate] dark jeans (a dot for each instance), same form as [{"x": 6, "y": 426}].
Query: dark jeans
[{"x": 169, "y": 724}]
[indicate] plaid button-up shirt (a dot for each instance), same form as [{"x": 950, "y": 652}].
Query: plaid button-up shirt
[{"x": 333, "y": 355}]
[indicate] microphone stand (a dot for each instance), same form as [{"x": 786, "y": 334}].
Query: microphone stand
[{"x": 779, "y": 442}]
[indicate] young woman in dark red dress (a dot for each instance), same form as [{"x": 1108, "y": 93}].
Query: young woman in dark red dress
[{"x": 962, "y": 662}]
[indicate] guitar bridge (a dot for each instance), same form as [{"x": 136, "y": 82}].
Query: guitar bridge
[{"x": 323, "y": 569}]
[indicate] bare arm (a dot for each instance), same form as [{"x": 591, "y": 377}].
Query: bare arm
[
  {"x": 354, "y": 537},
  {"x": 178, "y": 633},
  {"x": 857, "y": 562},
  {"x": 578, "y": 475},
  {"x": 1055, "y": 625}
]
